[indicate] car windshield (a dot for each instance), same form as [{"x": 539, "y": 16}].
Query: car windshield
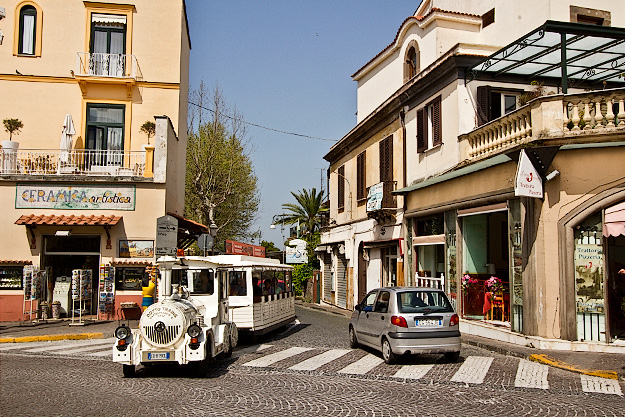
[{"x": 423, "y": 301}]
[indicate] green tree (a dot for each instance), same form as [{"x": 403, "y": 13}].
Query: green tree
[
  {"x": 149, "y": 128},
  {"x": 12, "y": 126},
  {"x": 307, "y": 212},
  {"x": 220, "y": 180}
]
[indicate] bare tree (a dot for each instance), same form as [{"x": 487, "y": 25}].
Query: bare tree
[{"x": 220, "y": 179}]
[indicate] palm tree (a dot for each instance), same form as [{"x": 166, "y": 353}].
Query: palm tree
[{"x": 307, "y": 211}]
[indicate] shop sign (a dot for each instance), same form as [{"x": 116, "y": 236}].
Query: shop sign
[
  {"x": 136, "y": 248},
  {"x": 528, "y": 182},
  {"x": 589, "y": 278},
  {"x": 239, "y": 248},
  {"x": 296, "y": 252},
  {"x": 166, "y": 236},
  {"x": 375, "y": 196},
  {"x": 98, "y": 197}
]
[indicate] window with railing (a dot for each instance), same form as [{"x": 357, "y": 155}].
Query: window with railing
[
  {"x": 108, "y": 45},
  {"x": 105, "y": 134}
]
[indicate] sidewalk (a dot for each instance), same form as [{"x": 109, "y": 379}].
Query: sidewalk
[{"x": 605, "y": 365}]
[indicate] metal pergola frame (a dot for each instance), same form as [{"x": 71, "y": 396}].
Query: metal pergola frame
[{"x": 572, "y": 52}]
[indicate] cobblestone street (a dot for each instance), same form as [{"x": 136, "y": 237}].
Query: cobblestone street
[{"x": 303, "y": 371}]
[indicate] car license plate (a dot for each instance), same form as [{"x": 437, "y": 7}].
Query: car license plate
[
  {"x": 428, "y": 322},
  {"x": 158, "y": 356}
]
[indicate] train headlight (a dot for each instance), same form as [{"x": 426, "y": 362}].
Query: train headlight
[
  {"x": 122, "y": 332},
  {"x": 194, "y": 330}
]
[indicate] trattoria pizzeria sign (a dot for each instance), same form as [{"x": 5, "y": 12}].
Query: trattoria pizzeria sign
[{"x": 105, "y": 197}]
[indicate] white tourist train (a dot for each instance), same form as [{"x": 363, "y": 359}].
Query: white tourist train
[
  {"x": 261, "y": 296},
  {"x": 189, "y": 325}
]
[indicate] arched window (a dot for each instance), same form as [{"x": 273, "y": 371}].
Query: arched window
[
  {"x": 411, "y": 63},
  {"x": 28, "y": 30}
]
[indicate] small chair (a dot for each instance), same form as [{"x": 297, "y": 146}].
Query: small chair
[{"x": 498, "y": 304}]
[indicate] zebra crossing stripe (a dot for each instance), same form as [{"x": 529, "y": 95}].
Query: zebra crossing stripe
[
  {"x": 413, "y": 371},
  {"x": 250, "y": 349},
  {"x": 99, "y": 346},
  {"x": 473, "y": 370},
  {"x": 65, "y": 345},
  {"x": 276, "y": 357},
  {"x": 19, "y": 346},
  {"x": 362, "y": 365},
  {"x": 601, "y": 385},
  {"x": 531, "y": 375},
  {"x": 320, "y": 360},
  {"x": 108, "y": 352}
]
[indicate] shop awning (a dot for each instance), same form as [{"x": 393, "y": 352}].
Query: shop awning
[
  {"x": 491, "y": 208},
  {"x": 428, "y": 240},
  {"x": 131, "y": 263},
  {"x": 570, "y": 52},
  {"x": 70, "y": 220},
  {"x": 188, "y": 230},
  {"x": 14, "y": 262},
  {"x": 384, "y": 243},
  {"x": 614, "y": 224}
]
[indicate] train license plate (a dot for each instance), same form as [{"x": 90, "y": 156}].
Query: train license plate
[
  {"x": 158, "y": 356},
  {"x": 428, "y": 322}
]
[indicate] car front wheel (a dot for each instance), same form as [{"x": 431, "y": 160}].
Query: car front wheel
[
  {"x": 387, "y": 353},
  {"x": 353, "y": 341}
]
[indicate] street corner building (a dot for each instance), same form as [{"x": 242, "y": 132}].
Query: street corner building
[
  {"x": 487, "y": 160},
  {"x": 81, "y": 183}
]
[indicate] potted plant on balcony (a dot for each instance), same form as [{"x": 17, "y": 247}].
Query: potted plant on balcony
[
  {"x": 9, "y": 148},
  {"x": 149, "y": 128}
]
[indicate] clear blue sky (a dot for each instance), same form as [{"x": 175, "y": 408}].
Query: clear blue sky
[{"x": 287, "y": 65}]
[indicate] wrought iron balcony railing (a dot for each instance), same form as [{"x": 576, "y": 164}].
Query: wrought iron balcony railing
[
  {"x": 107, "y": 65},
  {"x": 82, "y": 162}
]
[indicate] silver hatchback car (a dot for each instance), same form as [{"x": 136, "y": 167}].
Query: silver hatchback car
[{"x": 405, "y": 320}]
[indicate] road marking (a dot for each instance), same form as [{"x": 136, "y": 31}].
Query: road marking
[
  {"x": 276, "y": 357},
  {"x": 413, "y": 371},
  {"x": 473, "y": 370},
  {"x": 103, "y": 353},
  {"x": 601, "y": 385},
  {"x": 362, "y": 365},
  {"x": 531, "y": 375},
  {"x": 99, "y": 346},
  {"x": 20, "y": 346},
  {"x": 66, "y": 345},
  {"x": 250, "y": 349},
  {"x": 320, "y": 360}
]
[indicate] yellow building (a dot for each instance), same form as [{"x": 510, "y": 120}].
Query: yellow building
[{"x": 81, "y": 185}]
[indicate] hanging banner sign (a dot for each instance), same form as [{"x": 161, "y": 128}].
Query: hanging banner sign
[
  {"x": 296, "y": 252},
  {"x": 528, "y": 182},
  {"x": 104, "y": 197},
  {"x": 374, "y": 198}
]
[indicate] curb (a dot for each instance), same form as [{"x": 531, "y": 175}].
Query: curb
[
  {"x": 546, "y": 360},
  {"x": 47, "y": 338}
]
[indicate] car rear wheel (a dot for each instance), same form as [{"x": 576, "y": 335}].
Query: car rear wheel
[
  {"x": 353, "y": 340},
  {"x": 452, "y": 356},
  {"x": 387, "y": 353}
]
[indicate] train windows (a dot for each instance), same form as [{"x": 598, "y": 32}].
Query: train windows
[
  {"x": 238, "y": 282},
  {"x": 203, "y": 281}
]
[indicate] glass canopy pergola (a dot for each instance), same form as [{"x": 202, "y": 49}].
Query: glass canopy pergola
[{"x": 573, "y": 52}]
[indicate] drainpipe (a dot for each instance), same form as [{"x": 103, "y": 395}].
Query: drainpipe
[{"x": 408, "y": 230}]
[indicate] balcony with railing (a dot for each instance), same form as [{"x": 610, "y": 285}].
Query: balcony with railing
[
  {"x": 91, "y": 64},
  {"x": 590, "y": 117},
  {"x": 77, "y": 162}
]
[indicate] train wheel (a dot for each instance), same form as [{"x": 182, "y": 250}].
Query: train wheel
[{"x": 129, "y": 370}]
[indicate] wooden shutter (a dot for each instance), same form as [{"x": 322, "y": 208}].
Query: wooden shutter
[
  {"x": 341, "y": 188},
  {"x": 386, "y": 159},
  {"x": 361, "y": 185},
  {"x": 484, "y": 113},
  {"x": 422, "y": 143},
  {"x": 437, "y": 138}
]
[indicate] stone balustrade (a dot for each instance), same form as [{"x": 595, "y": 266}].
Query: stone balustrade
[{"x": 560, "y": 119}]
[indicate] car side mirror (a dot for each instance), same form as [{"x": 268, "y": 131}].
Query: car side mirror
[{"x": 357, "y": 307}]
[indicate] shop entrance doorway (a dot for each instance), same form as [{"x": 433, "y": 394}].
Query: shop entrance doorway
[
  {"x": 616, "y": 287},
  {"x": 62, "y": 255}
]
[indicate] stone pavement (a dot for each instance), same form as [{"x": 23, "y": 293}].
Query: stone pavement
[{"x": 606, "y": 365}]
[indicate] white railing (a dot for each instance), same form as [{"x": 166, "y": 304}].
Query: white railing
[
  {"x": 505, "y": 132},
  {"x": 582, "y": 117},
  {"x": 430, "y": 282},
  {"x": 75, "y": 162},
  {"x": 594, "y": 112},
  {"x": 107, "y": 65}
]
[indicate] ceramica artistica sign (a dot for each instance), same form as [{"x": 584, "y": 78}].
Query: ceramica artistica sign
[{"x": 101, "y": 197}]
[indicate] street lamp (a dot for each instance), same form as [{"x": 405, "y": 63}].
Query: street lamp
[{"x": 279, "y": 218}]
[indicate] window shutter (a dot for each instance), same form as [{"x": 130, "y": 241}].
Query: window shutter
[
  {"x": 437, "y": 139},
  {"x": 361, "y": 185},
  {"x": 386, "y": 159},
  {"x": 421, "y": 133},
  {"x": 341, "y": 188},
  {"x": 483, "y": 105}
]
